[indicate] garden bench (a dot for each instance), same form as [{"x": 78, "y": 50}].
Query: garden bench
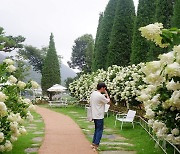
[{"x": 58, "y": 103}]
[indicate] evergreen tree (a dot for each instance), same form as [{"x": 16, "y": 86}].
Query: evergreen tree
[
  {"x": 176, "y": 14},
  {"x": 121, "y": 36},
  {"x": 51, "y": 67},
  {"x": 96, "y": 42},
  {"x": 104, "y": 36},
  {"x": 145, "y": 16},
  {"x": 164, "y": 12}
]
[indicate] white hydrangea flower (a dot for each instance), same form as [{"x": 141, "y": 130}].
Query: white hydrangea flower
[
  {"x": 175, "y": 99},
  {"x": 152, "y": 32},
  {"x": 22, "y": 130},
  {"x": 16, "y": 133},
  {"x": 177, "y": 140},
  {"x": 157, "y": 125},
  {"x": 27, "y": 101},
  {"x": 149, "y": 114},
  {"x": 1, "y": 136},
  {"x": 167, "y": 58},
  {"x": 150, "y": 122},
  {"x": 173, "y": 85},
  {"x": 8, "y": 146},
  {"x": 3, "y": 97},
  {"x": 11, "y": 68},
  {"x": 29, "y": 116},
  {"x": 144, "y": 97},
  {"x": 170, "y": 137},
  {"x": 15, "y": 118},
  {"x": 154, "y": 79},
  {"x": 173, "y": 69},
  {"x": 2, "y": 148},
  {"x": 12, "y": 79},
  {"x": 21, "y": 84},
  {"x": 34, "y": 84},
  {"x": 14, "y": 126},
  {"x": 166, "y": 104},
  {"x": 175, "y": 131},
  {"x": 3, "y": 109},
  {"x": 13, "y": 138},
  {"x": 151, "y": 67},
  {"x": 8, "y": 61}
]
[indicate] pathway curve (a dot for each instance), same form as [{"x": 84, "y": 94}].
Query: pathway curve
[{"x": 62, "y": 135}]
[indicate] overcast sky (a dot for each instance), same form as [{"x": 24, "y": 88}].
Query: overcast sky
[{"x": 66, "y": 19}]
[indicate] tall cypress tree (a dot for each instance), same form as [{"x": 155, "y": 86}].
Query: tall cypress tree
[
  {"x": 51, "y": 67},
  {"x": 176, "y": 14},
  {"x": 104, "y": 36},
  {"x": 121, "y": 36},
  {"x": 164, "y": 12},
  {"x": 145, "y": 16},
  {"x": 96, "y": 42}
]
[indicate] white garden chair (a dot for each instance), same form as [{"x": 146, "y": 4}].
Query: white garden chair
[
  {"x": 129, "y": 117},
  {"x": 106, "y": 109}
]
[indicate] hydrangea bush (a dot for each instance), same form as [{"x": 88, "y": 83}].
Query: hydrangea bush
[
  {"x": 161, "y": 97},
  {"x": 124, "y": 83},
  {"x": 14, "y": 109}
]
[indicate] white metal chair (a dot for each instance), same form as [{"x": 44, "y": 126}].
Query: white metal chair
[
  {"x": 129, "y": 117},
  {"x": 106, "y": 109}
]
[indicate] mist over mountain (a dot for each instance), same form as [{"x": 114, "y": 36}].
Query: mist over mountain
[{"x": 65, "y": 72}]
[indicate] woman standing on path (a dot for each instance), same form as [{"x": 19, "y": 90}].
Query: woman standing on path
[{"x": 97, "y": 102}]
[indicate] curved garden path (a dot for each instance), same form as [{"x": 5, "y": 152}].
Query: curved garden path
[{"x": 62, "y": 135}]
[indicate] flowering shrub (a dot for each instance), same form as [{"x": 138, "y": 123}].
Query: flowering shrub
[
  {"x": 124, "y": 83},
  {"x": 161, "y": 97},
  {"x": 13, "y": 108},
  {"x": 127, "y": 84}
]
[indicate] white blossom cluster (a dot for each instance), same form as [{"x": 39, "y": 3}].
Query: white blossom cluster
[
  {"x": 127, "y": 83},
  {"x": 161, "y": 97},
  {"x": 152, "y": 32},
  {"x": 8, "y": 108},
  {"x": 124, "y": 83},
  {"x": 83, "y": 87}
]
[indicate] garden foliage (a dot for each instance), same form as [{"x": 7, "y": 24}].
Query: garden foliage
[{"x": 14, "y": 108}]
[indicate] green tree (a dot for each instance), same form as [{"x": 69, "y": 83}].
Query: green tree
[
  {"x": 164, "y": 12},
  {"x": 51, "y": 67},
  {"x": 34, "y": 56},
  {"x": 82, "y": 50},
  {"x": 104, "y": 36},
  {"x": 176, "y": 14},
  {"x": 9, "y": 43},
  {"x": 96, "y": 41},
  {"x": 121, "y": 36},
  {"x": 145, "y": 16}
]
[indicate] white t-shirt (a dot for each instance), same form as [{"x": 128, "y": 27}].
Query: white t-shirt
[{"x": 97, "y": 102}]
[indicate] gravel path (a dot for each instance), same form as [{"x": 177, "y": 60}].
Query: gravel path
[{"x": 62, "y": 135}]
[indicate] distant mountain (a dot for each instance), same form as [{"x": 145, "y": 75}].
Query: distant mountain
[{"x": 65, "y": 73}]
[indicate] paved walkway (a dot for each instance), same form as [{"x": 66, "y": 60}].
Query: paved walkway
[{"x": 62, "y": 135}]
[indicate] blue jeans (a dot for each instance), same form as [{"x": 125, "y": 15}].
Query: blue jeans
[{"x": 99, "y": 123}]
